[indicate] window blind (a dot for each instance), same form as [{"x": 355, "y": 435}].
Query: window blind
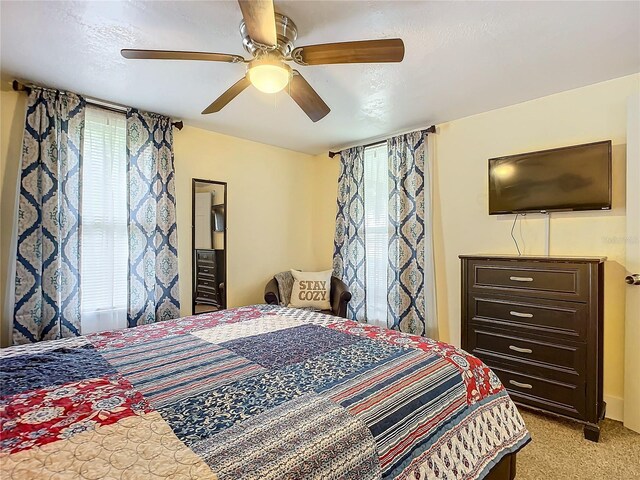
[
  {"x": 376, "y": 212},
  {"x": 104, "y": 241}
]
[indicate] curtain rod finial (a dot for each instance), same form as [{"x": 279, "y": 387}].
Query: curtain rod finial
[
  {"x": 20, "y": 87},
  {"x": 179, "y": 124}
]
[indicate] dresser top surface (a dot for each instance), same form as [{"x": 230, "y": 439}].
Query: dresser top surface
[{"x": 534, "y": 258}]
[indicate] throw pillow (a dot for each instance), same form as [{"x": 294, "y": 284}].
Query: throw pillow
[{"x": 311, "y": 290}]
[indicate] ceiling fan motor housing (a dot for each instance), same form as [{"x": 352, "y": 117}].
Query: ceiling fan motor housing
[{"x": 286, "y": 31}]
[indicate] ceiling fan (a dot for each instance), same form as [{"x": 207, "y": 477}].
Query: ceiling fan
[{"x": 269, "y": 38}]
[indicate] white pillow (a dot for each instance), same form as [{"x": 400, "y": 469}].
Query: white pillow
[{"x": 311, "y": 289}]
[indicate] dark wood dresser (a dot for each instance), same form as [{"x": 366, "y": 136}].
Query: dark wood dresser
[
  {"x": 207, "y": 288},
  {"x": 537, "y": 322}
]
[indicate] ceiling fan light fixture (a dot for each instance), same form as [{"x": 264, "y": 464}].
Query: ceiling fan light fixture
[{"x": 269, "y": 75}]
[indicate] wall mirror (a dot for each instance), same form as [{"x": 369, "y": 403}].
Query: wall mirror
[{"x": 209, "y": 245}]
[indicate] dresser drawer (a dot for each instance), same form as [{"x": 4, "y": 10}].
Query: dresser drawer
[
  {"x": 552, "y": 360},
  {"x": 563, "y": 281},
  {"x": 206, "y": 278},
  {"x": 208, "y": 289},
  {"x": 558, "y": 319},
  {"x": 204, "y": 294},
  {"x": 211, "y": 264},
  {"x": 206, "y": 255},
  {"x": 202, "y": 282},
  {"x": 205, "y": 269},
  {"x": 563, "y": 398}
]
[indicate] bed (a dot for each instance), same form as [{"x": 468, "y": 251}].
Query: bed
[{"x": 259, "y": 392}]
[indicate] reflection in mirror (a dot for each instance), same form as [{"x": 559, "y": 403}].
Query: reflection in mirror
[{"x": 209, "y": 242}]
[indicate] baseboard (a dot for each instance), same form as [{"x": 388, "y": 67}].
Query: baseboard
[{"x": 615, "y": 407}]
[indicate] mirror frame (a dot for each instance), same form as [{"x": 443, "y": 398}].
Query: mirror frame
[{"x": 193, "y": 242}]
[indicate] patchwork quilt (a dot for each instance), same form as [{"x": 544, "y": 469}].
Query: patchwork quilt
[{"x": 261, "y": 392}]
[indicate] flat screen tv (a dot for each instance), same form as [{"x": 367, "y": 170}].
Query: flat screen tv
[{"x": 569, "y": 178}]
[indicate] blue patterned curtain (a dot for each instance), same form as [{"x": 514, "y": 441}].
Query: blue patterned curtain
[
  {"x": 406, "y": 273},
  {"x": 47, "y": 296},
  {"x": 349, "y": 244},
  {"x": 153, "y": 242}
]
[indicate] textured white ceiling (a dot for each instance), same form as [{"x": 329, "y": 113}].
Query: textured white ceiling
[{"x": 461, "y": 58}]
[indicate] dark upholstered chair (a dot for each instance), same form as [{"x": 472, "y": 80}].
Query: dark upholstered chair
[{"x": 339, "y": 296}]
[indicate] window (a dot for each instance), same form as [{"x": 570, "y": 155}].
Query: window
[
  {"x": 376, "y": 218},
  {"x": 104, "y": 242}
]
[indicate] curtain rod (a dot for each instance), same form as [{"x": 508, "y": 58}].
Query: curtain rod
[
  {"x": 431, "y": 129},
  {"x": 113, "y": 107}
]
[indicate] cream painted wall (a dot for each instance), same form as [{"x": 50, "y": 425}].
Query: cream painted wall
[
  {"x": 270, "y": 195},
  {"x": 270, "y": 206},
  {"x": 325, "y": 193},
  {"x": 12, "y": 110}
]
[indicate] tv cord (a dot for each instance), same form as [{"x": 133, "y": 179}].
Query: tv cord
[{"x": 513, "y": 236}]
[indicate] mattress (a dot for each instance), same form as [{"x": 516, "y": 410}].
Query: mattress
[{"x": 259, "y": 392}]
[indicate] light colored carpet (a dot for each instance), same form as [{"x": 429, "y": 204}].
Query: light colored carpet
[{"x": 559, "y": 451}]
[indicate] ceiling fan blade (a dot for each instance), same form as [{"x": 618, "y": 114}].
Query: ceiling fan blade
[
  {"x": 260, "y": 19},
  {"x": 307, "y": 98},
  {"x": 365, "y": 51},
  {"x": 227, "y": 96},
  {"x": 178, "y": 55}
]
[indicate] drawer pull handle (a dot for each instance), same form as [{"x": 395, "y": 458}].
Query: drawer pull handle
[
  {"x": 520, "y": 314},
  {"x": 519, "y": 349},
  {"x": 521, "y": 279},
  {"x": 521, "y": 385}
]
